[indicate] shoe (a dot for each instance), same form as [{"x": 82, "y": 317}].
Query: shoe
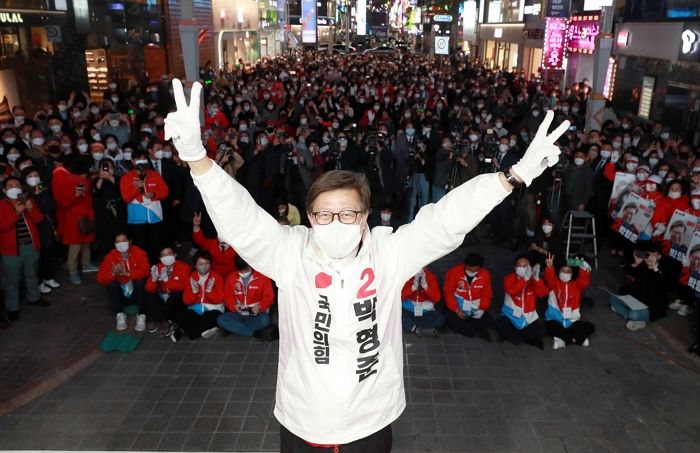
[
  {"x": 89, "y": 268},
  {"x": 52, "y": 283},
  {"x": 695, "y": 349},
  {"x": 676, "y": 304},
  {"x": 121, "y": 321},
  {"x": 210, "y": 333},
  {"x": 140, "y": 323},
  {"x": 586, "y": 343},
  {"x": 558, "y": 343},
  {"x": 434, "y": 333},
  {"x": 418, "y": 331},
  {"x": 166, "y": 329},
  {"x": 684, "y": 310},
  {"x": 75, "y": 279},
  {"x": 176, "y": 334},
  {"x": 40, "y": 303},
  {"x": 13, "y": 315},
  {"x": 151, "y": 327},
  {"x": 635, "y": 325},
  {"x": 44, "y": 289}
]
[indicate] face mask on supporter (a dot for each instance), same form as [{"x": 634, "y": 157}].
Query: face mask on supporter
[
  {"x": 385, "y": 216},
  {"x": 96, "y": 137},
  {"x": 605, "y": 154},
  {"x": 122, "y": 246},
  {"x": 55, "y": 128},
  {"x": 578, "y": 161},
  {"x": 547, "y": 228},
  {"x": 303, "y": 121},
  {"x": 167, "y": 260},
  {"x": 503, "y": 147},
  {"x": 664, "y": 135},
  {"x": 203, "y": 269},
  {"x": 158, "y": 155},
  {"x": 617, "y": 145},
  {"x": 653, "y": 162},
  {"x": 94, "y": 110},
  {"x": 473, "y": 137},
  {"x": 127, "y": 155},
  {"x": 243, "y": 127},
  {"x": 167, "y": 154},
  {"x": 263, "y": 141},
  {"x": 410, "y": 131},
  {"x": 696, "y": 203},
  {"x": 10, "y": 140},
  {"x": 111, "y": 146},
  {"x": 245, "y": 274},
  {"x": 631, "y": 167},
  {"x": 535, "y": 113},
  {"x": 663, "y": 173},
  {"x": 141, "y": 163},
  {"x": 12, "y": 157},
  {"x": 651, "y": 187},
  {"x": 565, "y": 277},
  {"x": 674, "y": 195},
  {"x": 114, "y": 99},
  {"x": 13, "y": 192},
  {"x": 499, "y": 125},
  {"x": 38, "y": 141},
  {"x": 33, "y": 181},
  {"x": 337, "y": 239},
  {"x": 642, "y": 176},
  {"x": 114, "y": 123},
  {"x": 626, "y": 141},
  {"x": 521, "y": 271},
  {"x": 470, "y": 274}
]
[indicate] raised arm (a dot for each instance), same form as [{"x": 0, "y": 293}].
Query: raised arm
[{"x": 251, "y": 231}]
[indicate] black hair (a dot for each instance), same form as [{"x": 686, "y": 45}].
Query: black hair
[
  {"x": 521, "y": 256},
  {"x": 240, "y": 263},
  {"x": 8, "y": 179},
  {"x": 473, "y": 259},
  {"x": 201, "y": 254}
]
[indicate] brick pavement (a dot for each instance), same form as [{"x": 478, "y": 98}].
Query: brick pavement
[{"x": 628, "y": 392}]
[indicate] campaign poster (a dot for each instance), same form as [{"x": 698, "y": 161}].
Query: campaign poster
[
  {"x": 623, "y": 185},
  {"x": 694, "y": 262},
  {"x": 308, "y": 21},
  {"x": 634, "y": 217},
  {"x": 679, "y": 233}
]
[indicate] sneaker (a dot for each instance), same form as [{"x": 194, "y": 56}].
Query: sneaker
[
  {"x": 418, "y": 331},
  {"x": 151, "y": 327},
  {"x": 558, "y": 343},
  {"x": 176, "y": 334},
  {"x": 684, "y": 310},
  {"x": 676, "y": 304},
  {"x": 166, "y": 329},
  {"x": 140, "y": 323},
  {"x": 121, "y": 321},
  {"x": 40, "y": 303},
  {"x": 635, "y": 325},
  {"x": 52, "y": 283},
  {"x": 44, "y": 289},
  {"x": 210, "y": 333},
  {"x": 75, "y": 279},
  {"x": 586, "y": 343},
  {"x": 89, "y": 268},
  {"x": 434, "y": 333}
]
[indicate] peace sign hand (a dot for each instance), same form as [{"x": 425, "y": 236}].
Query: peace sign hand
[
  {"x": 542, "y": 152},
  {"x": 183, "y": 125}
]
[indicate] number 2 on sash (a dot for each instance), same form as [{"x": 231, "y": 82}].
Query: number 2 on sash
[{"x": 364, "y": 290}]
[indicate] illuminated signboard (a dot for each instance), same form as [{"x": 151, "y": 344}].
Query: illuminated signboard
[
  {"x": 361, "y": 17},
  {"x": 308, "y": 21},
  {"x": 609, "y": 86},
  {"x": 623, "y": 38},
  {"x": 583, "y": 31},
  {"x": 645, "y": 98},
  {"x": 554, "y": 43},
  {"x": 558, "y": 8}
]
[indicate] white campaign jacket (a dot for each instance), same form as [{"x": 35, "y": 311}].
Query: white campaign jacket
[{"x": 340, "y": 375}]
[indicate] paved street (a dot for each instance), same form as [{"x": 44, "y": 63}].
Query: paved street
[{"x": 628, "y": 392}]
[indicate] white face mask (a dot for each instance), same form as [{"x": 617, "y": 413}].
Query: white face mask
[
  {"x": 663, "y": 173},
  {"x": 385, "y": 217},
  {"x": 579, "y": 161},
  {"x": 13, "y": 192},
  {"x": 111, "y": 146},
  {"x": 565, "y": 277},
  {"x": 651, "y": 187},
  {"x": 55, "y": 128},
  {"x": 114, "y": 123},
  {"x": 83, "y": 147},
  {"x": 653, "y": 162},
  {"x": 696, "y": 203},
  {"x": 167, "y": 154},
  {"x": 158, "y": 155},
  {"x": 12, "y": 157},
  {"x": 98, "y": 156},
  {"x": 33, "y": 181},
  {"x": 473, "y": 137},
  {"x": 605, "y": 154},
  {"x": 127, "y": 155},
  {"x": 96, "y": 137},
  {"x": 167, "y": 260},
  {"x": 38, "y": 141},
  {"x": 642, "y": 176},
  {"x": 521, "y": 271},
  {"x": 631, "y": 167},
  {"x": 503, "y": 147},
  {"x": 547, "y": 228},
  {"x": 122, "y": 247},
  {"x": 337, "y": 239},
  {"x": 674, "y": 195},
  {"x": 470, "y": 273},
  {"x": 245, "y": 274}
]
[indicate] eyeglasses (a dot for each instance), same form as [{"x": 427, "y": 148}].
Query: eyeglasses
[{"x": 326, "y": 217}]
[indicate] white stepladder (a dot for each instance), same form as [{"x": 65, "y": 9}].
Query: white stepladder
[{"x": 580, "y": 229}]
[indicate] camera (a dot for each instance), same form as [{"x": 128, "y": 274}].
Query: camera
[{"x": 490, "y": 145}]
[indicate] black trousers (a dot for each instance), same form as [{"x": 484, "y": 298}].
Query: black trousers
[
  {"x": 575, "y": 333},
  {"x": 148, "y": 236},
  {"x": 117, "y": 300},
  {"x": 469, "y": 327},
  {"x": 506, "y": 328},
  {"x": 159, "y": 310},
  {"x": 379, "y": 442},
  {"x": 192, "y": 323}
]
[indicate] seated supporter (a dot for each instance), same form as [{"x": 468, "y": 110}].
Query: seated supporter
[
  {"x": 419, "y": 296},
  {"x": 124, "y": 271},
  {"x": 563, "y": 315},
  {"x": 467, "y": 291},
  {"x": 248, "y": 297},
  {"x": 222, "y": 254},
  {"x": 519, "y": 321},
  {"x": 19, "y": 246},
  {"x": 165, "y": 287},
  {"x": 649, "y": 283},
  {"x": 546, "y": 241},
  {"x": 203, "y": 302}
]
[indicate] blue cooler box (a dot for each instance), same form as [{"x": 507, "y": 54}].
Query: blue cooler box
[{"x": 629, "y": 308}]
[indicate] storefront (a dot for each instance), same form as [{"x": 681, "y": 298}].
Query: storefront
[
  {"x": 659, "y": 69},
  {"x": 323, "y": 29},
  {"x": 512, "y": 45},
  {"x": 236, "y": 32}
]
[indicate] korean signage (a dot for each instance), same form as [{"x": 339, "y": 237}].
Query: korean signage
[
  {"x": 554, "y": 43},
  {"x": 690, "y": 42},
  {"x": 308, "y": 21},
  {"x": 29, "y": 17},
  {"x": 645, "y": 98},
  {"x": 361, "y": 17},
  {"x": 558, "y": 8},
  {"x": 583, "y": 31}
]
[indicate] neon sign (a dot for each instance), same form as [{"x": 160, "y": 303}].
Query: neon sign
[
  {"x": 583, "y": 31},
  {"x": 554, "y": 43}
]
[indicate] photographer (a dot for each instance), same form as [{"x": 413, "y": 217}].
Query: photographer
[
  {"x": 110, "y": 210},
  {"x": 418, "y": 182}
]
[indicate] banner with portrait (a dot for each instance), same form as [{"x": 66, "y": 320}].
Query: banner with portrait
[
  {"x": 633, "y": 218},
  {"x": 679, "y": 233}
]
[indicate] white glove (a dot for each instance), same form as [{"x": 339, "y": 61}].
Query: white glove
[
  {"x": 585, "y": 266},
  {"x": 154, "y": 273},
  {"x": 416, "y": 283},
  {"x": 183, "y": 125},
  {"x": 528, "y": 273},
  {"x": 542, "y": 152},
  {"x": 615, "y": 156},
  {"x": 423, "y": 281},
  {"x": 164, "y": 274},
  {"x": 536, "y": 271},
  {"x": 478, "y": 314}
]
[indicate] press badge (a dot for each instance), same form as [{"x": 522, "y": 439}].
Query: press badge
[
  {"x": 567, "y": 313},
  {"x": 517, "y": 312},
  {"x": 417, "y": 309}
]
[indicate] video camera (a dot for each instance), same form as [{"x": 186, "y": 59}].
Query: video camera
[{"x": 490, "y": 145}]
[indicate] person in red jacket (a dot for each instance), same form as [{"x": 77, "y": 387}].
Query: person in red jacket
[
  {"x": 143, "y": 189},
  {"x": 248, "y": 297},
  {"x": 124, "y": 271},
  {"x": 19, "y": 246},
  {"x": 165, "y": 287},
  {"x": 467, "y": 291},
  {"x": 75, "y": 215},
  {"x": 563, "y": 315},
  {"x": 204, "y": 302},
  {"x": 419, "y": 296},
  {"x": 519, "y": 321},
  {"x": 222, "y": 254}
]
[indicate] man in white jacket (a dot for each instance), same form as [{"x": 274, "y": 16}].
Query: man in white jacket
[{"x": 340, "y": 377}]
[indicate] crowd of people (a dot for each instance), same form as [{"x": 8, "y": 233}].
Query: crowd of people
[{"x": 94, "y": 181}]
